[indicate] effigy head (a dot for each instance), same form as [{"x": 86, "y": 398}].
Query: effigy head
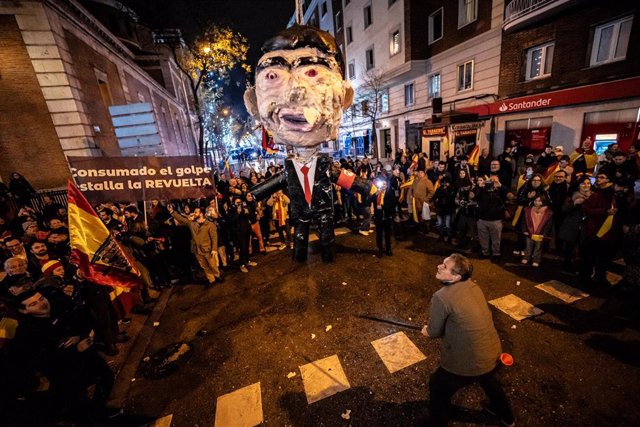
[{"x": 300, "y": 91}]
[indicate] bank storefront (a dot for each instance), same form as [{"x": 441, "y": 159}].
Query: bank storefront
[{"x": 605, "y": 112}]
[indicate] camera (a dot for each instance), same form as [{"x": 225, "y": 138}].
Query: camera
[{"x": 489, "y": 184}]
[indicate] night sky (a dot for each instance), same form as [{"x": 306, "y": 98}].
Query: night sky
[{"x": 257, "y": 20}]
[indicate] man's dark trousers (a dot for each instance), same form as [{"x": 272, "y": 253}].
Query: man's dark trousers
[{"x": 443, "y": 385}]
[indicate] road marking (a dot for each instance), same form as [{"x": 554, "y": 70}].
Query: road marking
[
  {"x": 323, "y": 378},
  {"x": 613, "y": 278},
  {"x": 163, "y": 422},
  {"x": 397, "y": 351},
  {"x": 342, "y": 230},
  {"x": 515, "y": 307},
  {"x": 620, "y": 262},
  {"x": 240, "y": 408},
  {"x": 561, "y": 290}
]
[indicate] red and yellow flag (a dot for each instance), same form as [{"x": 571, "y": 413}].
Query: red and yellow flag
[
  {"x": 268, "y": 142},
  {"x": 228, "y": 169},
  {"x": 474, "y": 156},
  {"x": 99, "y": 256},
  {"x": 550, "y": 172}
]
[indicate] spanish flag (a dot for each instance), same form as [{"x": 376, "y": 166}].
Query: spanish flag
[
  {"x": 550, "y": 172},
  {"x": 228, "y": 168},
  {"x": 268, "y": 143},
  {"x": 98, "y": 254},
  {"x": 474, "y": 156}
]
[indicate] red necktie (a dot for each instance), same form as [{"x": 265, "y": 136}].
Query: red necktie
[{"x": 307, "y": 189}]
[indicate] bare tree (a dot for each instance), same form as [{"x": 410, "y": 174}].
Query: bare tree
[{"x": 368, "y": 103}]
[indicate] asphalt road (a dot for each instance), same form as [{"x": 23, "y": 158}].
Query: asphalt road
[{"x": 574, "y": 365}]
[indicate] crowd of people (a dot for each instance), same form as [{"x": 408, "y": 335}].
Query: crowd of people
[{"x": 582, "y": 206}]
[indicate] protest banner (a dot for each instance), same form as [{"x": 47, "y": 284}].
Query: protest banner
[{"x": 109, "y": 179}]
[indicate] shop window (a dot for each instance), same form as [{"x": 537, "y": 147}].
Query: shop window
[
  {"x": 610, "y": 41},
  {"x": 369, "y": 59},
  {"x": 539, "y": 61},
  {"x": 435, "y": 25},
  {"x": 105, "y": 93},
  {"x": 349, "y": 34},
  {"x": 533, "y": 134},
  {"x": 467, "y": 12},
  {"x": 434, "y": 86},
  {"x": 465, "y": 76},
  {"x": 394, "y": 43},
  {"x": 368, "y": 19},
  {"x": 384, "y": 101},
  {"x": 352, "y": 70},
  {"x": 408, "y": 94}
]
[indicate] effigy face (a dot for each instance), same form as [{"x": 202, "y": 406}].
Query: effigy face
[{"x": 299, "y": 94}]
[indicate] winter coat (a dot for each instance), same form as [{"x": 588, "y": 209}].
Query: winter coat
[{"x": 444, "y": 200}]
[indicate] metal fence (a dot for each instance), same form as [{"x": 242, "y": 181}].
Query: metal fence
[{"x": 37, "y": 200}]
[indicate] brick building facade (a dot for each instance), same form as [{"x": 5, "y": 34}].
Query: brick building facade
[
  {"x": 568, "y": 70},
  {"x": 61, "y": 69}
]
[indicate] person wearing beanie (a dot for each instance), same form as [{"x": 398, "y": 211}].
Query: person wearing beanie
[{"x": 53, "y": 268}]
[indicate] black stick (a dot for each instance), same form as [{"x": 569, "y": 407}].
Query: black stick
[{"x": 391, "y": 322}]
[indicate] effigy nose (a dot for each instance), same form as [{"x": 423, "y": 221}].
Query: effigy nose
[{"x": 298, "y": 93}]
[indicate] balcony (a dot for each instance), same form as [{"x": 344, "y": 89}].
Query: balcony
[{"x": 521, "y": 13}]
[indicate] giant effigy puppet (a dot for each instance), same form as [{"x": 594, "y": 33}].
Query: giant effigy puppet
[{"x": 299, "y": 95}]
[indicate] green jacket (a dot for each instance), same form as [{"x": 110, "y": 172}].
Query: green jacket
[{"x": 204, "y": 237}]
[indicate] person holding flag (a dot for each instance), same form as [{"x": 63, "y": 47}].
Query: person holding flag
[{"x": 99, "y": 257}]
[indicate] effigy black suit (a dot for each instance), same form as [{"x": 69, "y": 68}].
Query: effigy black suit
[{"x": 320, "y": 210}]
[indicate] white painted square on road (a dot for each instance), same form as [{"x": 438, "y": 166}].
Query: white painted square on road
[
  {"x": 397, "y": 351},
  {"x": 323, "y": 378},
  {"x": 563, "y": 291},
  {"x": 613, "y": 278},
  {"x": 515, "y": 307},
  {"x": 341, "y": 231},
  {"x": 163, "y": 422},
  {"x": 240, "y": 408}
]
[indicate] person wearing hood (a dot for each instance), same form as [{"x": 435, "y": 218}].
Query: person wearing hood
[
  {"x": 536, "y": 227},
  {"x": 20, "y": 188}
]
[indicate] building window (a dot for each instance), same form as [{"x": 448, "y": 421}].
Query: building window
[
  {"x": 394, "y": 43},
  {"x": 539, "y": 61},
  {"x": 369, "y": 60},
  {"x": 346, "y": 2},
  {"x": 367, "y": 16},
  {"x": 408, "y": 94},
  {"x": 384, "y": 101},
  {"x": 392, "y": 2},
  {"x": 435, "y": 26},
  {"x": 465, "y": 76},
  {"x": 610, "y": 41},
  {"x": 338, "y": 20},
  {"x": 323, "y": 9},
  {"x": 434, "y": 86},
  {"x": 105, "y": 93},
  {"x": 352, "y": 70},
  {"x": 467, "y": 12},
  {"x": 349, "y": 34}
]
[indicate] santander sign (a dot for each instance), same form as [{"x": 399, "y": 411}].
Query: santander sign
[
  {"x": 524, "y": 105},
  {"x": 617, "y": 89}
]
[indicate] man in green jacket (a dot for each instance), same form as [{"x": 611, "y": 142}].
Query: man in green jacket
[
  {"x": 470, "y": 344},
  {"x": 204, "y": 242}
]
